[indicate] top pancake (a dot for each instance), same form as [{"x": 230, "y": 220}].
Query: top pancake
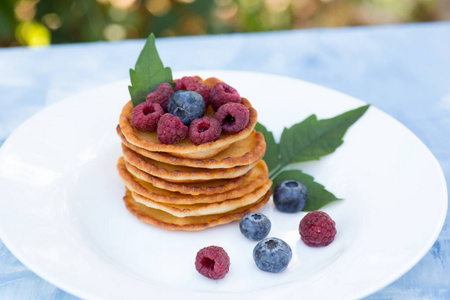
[
  {"x": 185, "y": 148},
  {"x": 243, "y": 152}
]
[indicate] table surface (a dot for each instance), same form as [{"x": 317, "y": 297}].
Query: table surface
[{"x": 402, "y": 69}]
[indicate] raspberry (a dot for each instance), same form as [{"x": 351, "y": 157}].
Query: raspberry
[
  {"x": 212, "y": 262},
  {"x": 204, "y": 130},
  {"x": 222, "y": 93},
  {"x": 170, "y": 129},
  {"x": 233, "y": 117},
  {"x": 317, "y": 229},
  {"x": 196, "y": 85},
  {"x": 161, "y": 95},
  {"x": 199, "y": 78},
  {"x": 186, "y": 82},
  {"x": 146, "y": 115}
]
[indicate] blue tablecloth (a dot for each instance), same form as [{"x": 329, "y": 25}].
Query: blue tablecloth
[{"x": 403, "y": 70}]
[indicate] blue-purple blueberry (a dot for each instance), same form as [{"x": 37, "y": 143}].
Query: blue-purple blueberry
[
  {"x": 186, "y": 105},
  {"x": 255, "y": 226},
  {"x": 290, "y": 196},
  {"x": 272, "y": 255}
]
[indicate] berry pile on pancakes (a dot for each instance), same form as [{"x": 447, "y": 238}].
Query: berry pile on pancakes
[{"x": 199, "y": 177}]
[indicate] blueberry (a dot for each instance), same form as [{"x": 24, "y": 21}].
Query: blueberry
[
  {"x": 255, "y": 226},
  {"x": 187, "y": 106},
  {"x": 272, "y": 255},
  {"x": 290, "y": 196}
]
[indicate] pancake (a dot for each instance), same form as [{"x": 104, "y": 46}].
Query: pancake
[
  {"x": 188, "y": 188},
  {"x": 185, "y": 148},
  {"x": 180, "y": 173},
  {"x": 257, "y": 178},
  {"x": 211, "y": 81},
  {"x": 167, "y": 221},
  {"x": 242, "y": 152},
  {"x": 202, "y": 209}
]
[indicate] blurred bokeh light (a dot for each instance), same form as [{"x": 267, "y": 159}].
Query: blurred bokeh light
[{"x": 45, "y": 22}]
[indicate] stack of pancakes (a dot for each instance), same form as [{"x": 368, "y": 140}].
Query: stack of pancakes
[{"x": 193, "y": 187}]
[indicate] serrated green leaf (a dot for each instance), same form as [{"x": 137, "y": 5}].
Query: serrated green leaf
[
  {"x": 307, "y": 140},
  {"x": 318, "y": 196},
  {"x": 272, "y": 157},
  {"x": 148, "y": 73},
  {"x": 312, "y": 138}
]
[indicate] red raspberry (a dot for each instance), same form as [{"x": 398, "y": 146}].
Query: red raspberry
[
  {"x": 233, "y": 117},
  {"x": 196, "y": 85},
  {"x": 146, "y": 115},
  {"x": 186, "y": 82},
  {"x": 317, "y": 229},
  {"x": 170, "y": 129},
  {"x": 161, "y": 95},
  {"x": 204, "y": 130},
  {"x": 222, "y": 93},
  {"x": 212, "y": 262}
]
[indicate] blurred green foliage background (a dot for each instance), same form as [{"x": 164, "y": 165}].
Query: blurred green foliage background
[{"x": 44, "y": 22}]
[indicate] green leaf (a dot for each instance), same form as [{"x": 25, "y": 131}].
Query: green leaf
[
  {"x": 272, "y": 157},
  {"x": 307, "y": 140},
  {"x": 148, "y": 73},
  {"x": 318, "y": 196},
  {"x": 312, "y": 138}
]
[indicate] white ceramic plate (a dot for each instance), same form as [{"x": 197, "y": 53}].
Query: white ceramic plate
[{"x": 62, "y": 215}]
